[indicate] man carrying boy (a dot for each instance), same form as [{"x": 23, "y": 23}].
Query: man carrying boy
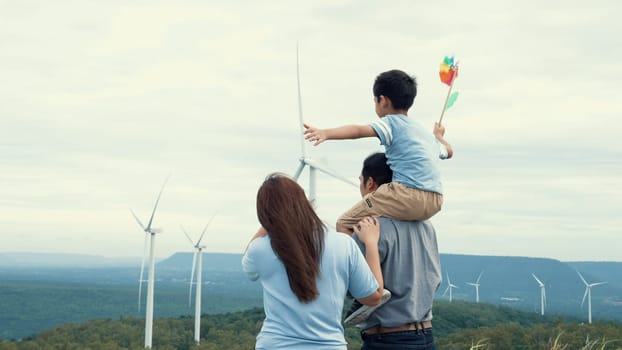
[
  {"x": 415, "y": 192},
  {"x": 411, "y": 269}
]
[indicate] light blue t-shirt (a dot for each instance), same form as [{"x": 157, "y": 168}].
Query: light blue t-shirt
[
  {"x": 412, "y": 152},
  {"x": 291, "y": 324}
]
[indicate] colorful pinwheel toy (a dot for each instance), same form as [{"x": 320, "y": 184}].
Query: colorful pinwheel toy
[
  {"x": 448, "y": 71},
  {"x": 448, "y": 74}
]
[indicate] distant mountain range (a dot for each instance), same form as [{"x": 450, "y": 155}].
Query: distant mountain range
[
  {"x": 505, "y": 279},
  {"x": 509, "y": 280},
  {"x": 452, "y": 263},
  {"x": 513, "y": 271}
]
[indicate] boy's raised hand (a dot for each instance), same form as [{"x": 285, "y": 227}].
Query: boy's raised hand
[
  {"x": 439, "y": 133},
  {"x": 439, "y": 130},
  {"x": 314, "y": 135}
]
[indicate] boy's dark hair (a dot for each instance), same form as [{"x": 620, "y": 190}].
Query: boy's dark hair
[
  {"x": 376, "y": 167},
  {"x": 398, "y": 86}
]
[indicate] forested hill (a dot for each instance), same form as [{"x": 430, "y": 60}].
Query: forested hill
[{"x": 457, "y": 325}]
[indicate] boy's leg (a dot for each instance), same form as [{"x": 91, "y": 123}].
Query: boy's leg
[
  {"x": 406, "y": 203},
  {"x": 392, "y": 200},
  {"x": 360, "y": 210}
]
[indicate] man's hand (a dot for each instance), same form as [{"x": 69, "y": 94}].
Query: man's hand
[
  {"x": 314, "y": 135},
  {"x": 368, "y": 231}
]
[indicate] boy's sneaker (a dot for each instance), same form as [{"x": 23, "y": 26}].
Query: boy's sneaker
[{"x": 359, "y": 312}]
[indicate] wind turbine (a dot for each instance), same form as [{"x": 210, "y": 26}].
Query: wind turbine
[
  {"x": 304, "y": 160},
  {"x": 476, "y": 285},
  {"x": 198, "y": 265},
  {"x": 588, "y": 294},
  {"x": 149, "y": 235},
  {"x": 542, "y": 294},
  {"x": 450, "y": 287}
]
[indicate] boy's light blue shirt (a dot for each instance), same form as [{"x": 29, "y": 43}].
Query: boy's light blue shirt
[
  {"x": 412, "y": 152},
  {"x": 290, "y": 324}
]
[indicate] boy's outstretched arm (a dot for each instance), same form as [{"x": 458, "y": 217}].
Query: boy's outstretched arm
[
  {"x": 340, "y": 133},
  {"x": 439, "y": 132}
]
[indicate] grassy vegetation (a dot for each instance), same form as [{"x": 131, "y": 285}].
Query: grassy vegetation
[{"x": 456, "y": 326}]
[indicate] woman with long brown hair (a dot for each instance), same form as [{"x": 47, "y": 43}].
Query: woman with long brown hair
[{"x": 306, "y": 271}]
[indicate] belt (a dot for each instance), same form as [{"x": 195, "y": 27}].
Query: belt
[{"x": 415, "y": 326}]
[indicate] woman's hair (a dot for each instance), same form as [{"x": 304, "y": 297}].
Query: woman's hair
[{"x": 296, "y": 232}]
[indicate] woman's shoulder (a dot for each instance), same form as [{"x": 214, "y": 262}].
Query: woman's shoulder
[
  {"x": 259, "y": 243},
  {"x": 338, "y": 238}
]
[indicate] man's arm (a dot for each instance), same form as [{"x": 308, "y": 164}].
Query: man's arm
[{"x": 340, "y": 133}]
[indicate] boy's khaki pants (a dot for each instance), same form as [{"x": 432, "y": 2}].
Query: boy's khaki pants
[{"x": 396, "y": 201}]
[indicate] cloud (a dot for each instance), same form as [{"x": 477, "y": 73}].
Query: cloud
[{"x": 103, "y": 100}]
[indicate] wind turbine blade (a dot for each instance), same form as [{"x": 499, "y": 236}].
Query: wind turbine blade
[
  {"x": 480, "y": 276},
  {"x": 138, "y": 220},
  {"x": 582, "y": 279},
  {"x": 299, "y": 170},
  {"x": 142, "y": 270},
  {"x": 194, "y": 263},
  {"x": 544, "y": 296},
  {"x": 187, "y": 235},
  {"x": 326, "y": 171},
  {"x": 584, "y": 295},
  {"x": 300, "y": 119},
  {"x": 445, "y": 292},
  {"x": 156, "y": 203},
  {"x": 537, "y": 280},
  {"x": 597, "y": 284},
  {"x": 205, "y": 229},
  {"x": 448, "y": 280},
  {"x": 471, "y": 284}
]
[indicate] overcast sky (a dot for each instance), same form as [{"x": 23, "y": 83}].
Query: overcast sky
[{"x": 101, "y": 100}]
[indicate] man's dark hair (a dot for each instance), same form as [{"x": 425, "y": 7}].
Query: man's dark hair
[
  {"x": 376, "y": 167},
  {"x": 398, "y": 86}
]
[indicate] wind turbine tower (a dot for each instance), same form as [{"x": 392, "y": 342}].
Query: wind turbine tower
[
  {"x": 450, "y": 287},
  {"x": 149, "y": 236},
  {"x": 304, "y": 160},
  {"x": 588, "y": 294},
  {"x": 542, "y": 294},
  {"x": 199, "y": 267},
  {"x": 476, "y": 285}
]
